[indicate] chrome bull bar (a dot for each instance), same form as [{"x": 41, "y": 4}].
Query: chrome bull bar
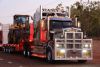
[{"x": 73, "y": 47}]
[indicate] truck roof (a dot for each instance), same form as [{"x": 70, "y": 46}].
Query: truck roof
[
  {"x": 61, "y": 19},
  {"x": 20, "y": 15}
]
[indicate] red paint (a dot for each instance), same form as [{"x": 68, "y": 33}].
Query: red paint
[
  {"x": 43, "y": 37},
  {"x": 31, "y": 32},
  {"x": 43, "y": 34}
]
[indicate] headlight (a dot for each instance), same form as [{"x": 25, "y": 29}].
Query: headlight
[
  {"x": 86, "y": 53},
  {"x": 62, "y": 51},
  {"x": 87, "y": 46},
  {"x": 90, "y": 45},
  {"x": 60, "y": 45},
  {"x": 57, "y": 45}
]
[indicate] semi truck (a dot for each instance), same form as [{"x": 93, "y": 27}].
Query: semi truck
[
  {"x": 57, "y": 38},
  {"x": 52, "y": 35}
]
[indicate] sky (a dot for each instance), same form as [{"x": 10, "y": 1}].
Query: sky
[{"x": 8, "y": 8}]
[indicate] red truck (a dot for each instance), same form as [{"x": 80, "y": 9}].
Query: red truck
[{"x": 52, "y": 36}]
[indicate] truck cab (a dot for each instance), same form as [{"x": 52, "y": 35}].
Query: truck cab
[{"x": 59, "y": 39}]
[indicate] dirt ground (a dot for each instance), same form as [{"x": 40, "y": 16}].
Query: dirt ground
[{"x": 96, "y": 51}]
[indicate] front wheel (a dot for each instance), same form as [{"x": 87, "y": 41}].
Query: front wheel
[
  {"x": 49, "y": 57},
  {"x": 29, "y": 53}
]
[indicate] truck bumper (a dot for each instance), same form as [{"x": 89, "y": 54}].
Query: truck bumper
[{"x": 73, "y": 59}]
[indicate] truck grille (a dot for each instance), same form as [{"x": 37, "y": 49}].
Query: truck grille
[
  {"x": 73, "y": 42},
  {"x": 73, "y": 45},
  {"x": 74, "y": 53}
]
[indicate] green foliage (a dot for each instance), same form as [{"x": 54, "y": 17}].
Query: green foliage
[{"x": 89, "y": 16}]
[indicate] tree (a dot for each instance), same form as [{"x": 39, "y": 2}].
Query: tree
[{"x": 89, "y": 16}]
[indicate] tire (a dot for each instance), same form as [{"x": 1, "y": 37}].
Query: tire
[
  {"x": 4, "y": 50},
  {"x": 29, "y": 54},
  {"x": 49, "y": 57},
  {"x": 12, "y": 50},
  {"x": 9, "y": 50},
  {"x": 82, "y": 61},
  {"x": 24, "y": 53}
]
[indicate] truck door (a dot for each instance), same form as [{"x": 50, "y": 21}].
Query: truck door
[
  {"x": 41, "y": 38},
  {"x": 43, "y": 31}
]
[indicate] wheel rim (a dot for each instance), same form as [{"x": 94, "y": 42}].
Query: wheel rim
[
  {"x": 49, "y": 56},
  {"x": 9, "y": 50},
  {"x": 24, "y": 52},
  {"x": 28, "y": 53},
  {"x": 4, "y": 50}
]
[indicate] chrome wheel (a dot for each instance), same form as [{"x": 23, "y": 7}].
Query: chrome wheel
[{"x": 24, "y": 52}]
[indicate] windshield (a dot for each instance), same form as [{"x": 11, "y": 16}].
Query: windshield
[
  {"x": 56, "y": 24},
  {"x": 21, "y": 19}
]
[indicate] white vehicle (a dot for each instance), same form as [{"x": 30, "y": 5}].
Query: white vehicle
[{"x": 5, "y": 30}]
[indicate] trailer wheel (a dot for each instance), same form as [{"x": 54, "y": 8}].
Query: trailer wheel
[
  {"x": 9, "y": 50},
  {"x": 4, "y": 50},
  {"x": 49, "y": 57},
  {"x": 24, "y": 53},
  {"x": 12, "y": 50},
  {"x": 82, "y": 61}
]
